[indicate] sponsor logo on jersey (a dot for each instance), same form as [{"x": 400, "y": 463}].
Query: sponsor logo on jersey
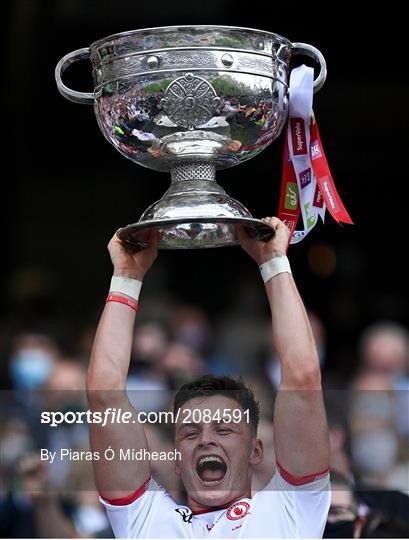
[
  {"x": 185, "y": 513},
  {"x": 238, "y": 510}
]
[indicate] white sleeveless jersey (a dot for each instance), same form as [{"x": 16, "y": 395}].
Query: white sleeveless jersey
[{"x": 280, "y": 510}]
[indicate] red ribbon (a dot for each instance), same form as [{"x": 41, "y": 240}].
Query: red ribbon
[
  {"x": 326, "y": 191},
  {"x": 324, "y": 178},
  {"x": 288, "y": 211}
]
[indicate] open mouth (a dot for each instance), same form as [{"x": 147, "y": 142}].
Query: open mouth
[{"x": 211, "y": 469}]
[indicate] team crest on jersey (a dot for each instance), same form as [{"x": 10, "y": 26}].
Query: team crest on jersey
[
  {"x": 185, "y": 513},
  {"x": 238, "y": 510}
]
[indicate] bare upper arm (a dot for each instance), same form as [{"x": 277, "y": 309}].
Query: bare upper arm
[
  {"x": 116, "y": 475},
  {"x": 300, "y": 431}
]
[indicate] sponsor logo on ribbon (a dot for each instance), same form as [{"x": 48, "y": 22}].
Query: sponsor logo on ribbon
[
  {"x": 297, "y": 126},
  {"x": 291, "y": 196},
  {"x": 305, "y": 178},
  {"x": 318, "y": 199},
  {"x": 328, "y": 191},
  {"x": 315, "y": 150},
  {"x": 310, "y": 216}
]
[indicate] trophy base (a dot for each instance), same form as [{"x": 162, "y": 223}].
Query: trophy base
[
  {"x": 195, "y": 212},
  {"x": 194, "y": 233}
]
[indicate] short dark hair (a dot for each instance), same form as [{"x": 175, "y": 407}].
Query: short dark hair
[{"x": 211, "y": 385}]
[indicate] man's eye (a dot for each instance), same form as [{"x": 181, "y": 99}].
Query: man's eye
[
  {"x": 223, "y": 430},
  {"x": 190, "y": 434}
]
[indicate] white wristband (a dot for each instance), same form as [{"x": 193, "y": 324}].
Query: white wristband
[
  {"x": 125, "y": 285},
  {"x": 276, "y": 265}
]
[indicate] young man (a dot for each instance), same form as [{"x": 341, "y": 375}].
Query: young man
[{"x": 217, "y": 453}]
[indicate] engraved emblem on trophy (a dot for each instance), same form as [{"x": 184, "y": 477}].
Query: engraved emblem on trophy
[{"x": 190, "y": 101}]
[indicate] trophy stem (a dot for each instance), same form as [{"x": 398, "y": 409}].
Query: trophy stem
[
  {"x": 197, "y": 170},
  {"x": 198, "y": 176}
]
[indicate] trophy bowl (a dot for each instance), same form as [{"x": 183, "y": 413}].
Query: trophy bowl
[{"x": 191, "y": 100}]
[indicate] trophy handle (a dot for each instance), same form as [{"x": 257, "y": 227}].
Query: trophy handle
[
  {"x": 86, "y": 98},
  {"x": 309, "y": 50}
]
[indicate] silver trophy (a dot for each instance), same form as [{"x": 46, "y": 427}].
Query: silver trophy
[{"x": 191, "y": 100}]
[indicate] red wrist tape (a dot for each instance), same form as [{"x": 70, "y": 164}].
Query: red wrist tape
[{"x": 122, "y": 300}]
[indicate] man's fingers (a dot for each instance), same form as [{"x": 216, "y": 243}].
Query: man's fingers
[
  {"x": 115, "y": 240},
  {"x": 275, "y": 223},
  {"x": 152, "y": 239},
  {"x": 242, "y": 235},
  {"x": 131, "y": 249},
  {"x": 272, "y": 221},
  {"x": 150, "y": 236},
  {"x": 155, "y": 235}
]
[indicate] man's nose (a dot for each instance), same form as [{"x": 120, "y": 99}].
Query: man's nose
[{"x": 207, "y": 437}]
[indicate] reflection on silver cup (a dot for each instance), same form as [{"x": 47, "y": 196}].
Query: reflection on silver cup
[{"x": 191, "y": 100}]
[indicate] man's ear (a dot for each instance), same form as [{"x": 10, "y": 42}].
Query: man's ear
[
  {"x": 257, "y": 453},
  {"x": 177, "y": 469}
]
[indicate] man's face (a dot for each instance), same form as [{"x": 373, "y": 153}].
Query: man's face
[{"x": 217, "y": 451}]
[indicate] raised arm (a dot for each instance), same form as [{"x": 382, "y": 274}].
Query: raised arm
[
  {"x": 106, "y": 381},
  {"x": 300, "y": 425}
]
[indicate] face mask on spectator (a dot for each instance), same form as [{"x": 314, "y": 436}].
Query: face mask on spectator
[
  {"x": 375, "y": 452},
  {"x": 340, "y": 529},
  {"x": 30, "y": 368},
  {"x": 13, "y": 447}
]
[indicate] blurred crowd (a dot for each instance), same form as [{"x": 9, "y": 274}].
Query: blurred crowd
[{"x": 368, "y": 417}]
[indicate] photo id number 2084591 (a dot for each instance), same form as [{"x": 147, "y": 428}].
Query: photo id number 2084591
[{"x": 225, "y": 416}]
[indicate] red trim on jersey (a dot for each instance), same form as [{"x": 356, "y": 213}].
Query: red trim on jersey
[
  {"x": 300, "y": 480},
  {"x": 123, "y": 501}
]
